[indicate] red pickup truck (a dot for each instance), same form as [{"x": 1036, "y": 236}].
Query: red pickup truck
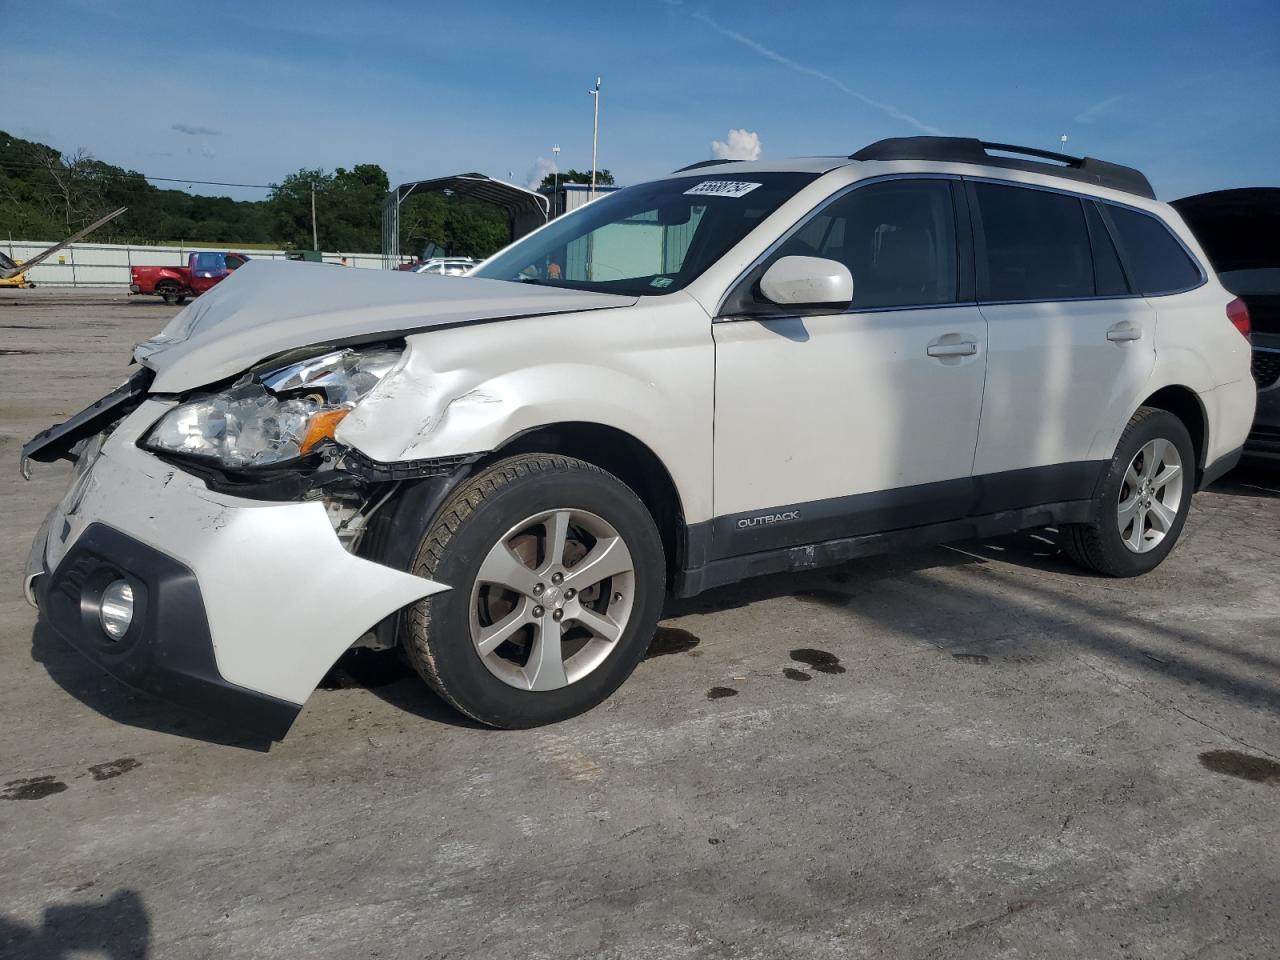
[{"x": 176, "y": 284}]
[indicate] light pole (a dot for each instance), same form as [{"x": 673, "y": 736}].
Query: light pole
[
  {"x": 595, "y": 135},
  {"x": 555, "y": 162},
  {"x": 1063, "y": 140}
]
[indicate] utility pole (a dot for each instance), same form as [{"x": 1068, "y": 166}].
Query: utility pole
[
  {"x": 315, "y": 241},
  {"x": 555, "y": 192},
  {"x": 595, "y": 136}
]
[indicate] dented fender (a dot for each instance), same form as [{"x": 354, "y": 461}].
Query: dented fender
[{"x": 466, "y": 390}]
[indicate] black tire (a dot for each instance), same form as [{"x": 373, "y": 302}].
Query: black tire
[
  {"x": 436, "y": 633},
  {"x": 167, "y": 292},
  {"x": 180, "y": 299},
  {"x": 1098, "y": 545}
]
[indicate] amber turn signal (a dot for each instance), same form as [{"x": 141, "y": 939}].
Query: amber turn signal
[{"x": 322, "y": 427}]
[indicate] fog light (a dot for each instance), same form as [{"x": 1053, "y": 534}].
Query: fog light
[{"x": 116, "y": 609}]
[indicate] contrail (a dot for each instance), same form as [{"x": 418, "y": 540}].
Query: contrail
[
  {"x": 1090, "y": 114},
  {"x": 840, "y": 85}
]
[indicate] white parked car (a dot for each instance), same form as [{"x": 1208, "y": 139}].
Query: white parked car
[
  {"x": 446, "y": 266},
  {"x": 737, "y": 369}
]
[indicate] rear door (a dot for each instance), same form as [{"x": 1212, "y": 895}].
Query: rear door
[
  {"x": 1070, "y": 346},
  {"x": 834, "y": 423}
]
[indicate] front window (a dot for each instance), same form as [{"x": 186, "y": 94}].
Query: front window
[{"x": 649, "y": 239}]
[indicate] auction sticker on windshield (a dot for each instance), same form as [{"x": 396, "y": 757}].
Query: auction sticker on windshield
[{"x": 721, "y": 188}]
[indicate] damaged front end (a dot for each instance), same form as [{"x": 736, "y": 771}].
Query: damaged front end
[{"x": 215, "y": 549}]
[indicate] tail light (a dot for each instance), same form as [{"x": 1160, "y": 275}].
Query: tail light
[{"x": 1238, "y": 314}]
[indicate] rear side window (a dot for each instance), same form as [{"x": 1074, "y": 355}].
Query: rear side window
[
  {"x": 1156, "y": 261},
  {"x": 1036, "y": 245}
]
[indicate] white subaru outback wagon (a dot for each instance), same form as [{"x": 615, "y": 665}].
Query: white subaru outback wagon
[{"x": 737, "y": 369}]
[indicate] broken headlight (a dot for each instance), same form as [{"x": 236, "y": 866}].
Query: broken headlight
[{"x": 278, "y": 415}]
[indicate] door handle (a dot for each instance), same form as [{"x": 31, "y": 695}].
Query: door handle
[
  {"x": 1124, "y": 332},
  {"x": 952, "y": 345}
]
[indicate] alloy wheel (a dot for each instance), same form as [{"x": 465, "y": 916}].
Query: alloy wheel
[
  {"x": 552, "y": 599},
  {"x": 1150, "y": 495}
]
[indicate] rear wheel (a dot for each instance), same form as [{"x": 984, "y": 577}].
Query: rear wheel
[
  {"x": 1143, "y": 501},
  {"x": 557, "y": 577}
]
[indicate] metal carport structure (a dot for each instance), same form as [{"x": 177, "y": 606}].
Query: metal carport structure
[{"x": 525, "y": 209}]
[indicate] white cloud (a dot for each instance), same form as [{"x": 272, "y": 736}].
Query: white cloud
[
  {"x": 541, "y": 167},
  {"x": 737, "y": 145}
]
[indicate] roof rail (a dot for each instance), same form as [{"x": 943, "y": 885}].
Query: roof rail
[
  {"x": 702, "y": 163},
  {"x": 971, "y": 150}
]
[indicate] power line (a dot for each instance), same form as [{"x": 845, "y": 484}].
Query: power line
[
  {"x": 211, "y": 183},
  {"x": 29, "y": 165}
]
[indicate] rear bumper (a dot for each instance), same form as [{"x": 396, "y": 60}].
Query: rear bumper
[
  {"x": 244, "y": 604},
  {"x": 1264, "y": 438},
  {"x": 134, "y": 288}
]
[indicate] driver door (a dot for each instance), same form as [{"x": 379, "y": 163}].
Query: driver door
[
  {"x": 206, "y": 270},
  {"x": 832, "y": 423}
]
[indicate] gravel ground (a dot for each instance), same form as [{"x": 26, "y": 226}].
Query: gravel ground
[{"x": 970, "y": 751}]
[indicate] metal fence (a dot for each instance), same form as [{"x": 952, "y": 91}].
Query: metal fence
[{"x": 107, "y": 264}]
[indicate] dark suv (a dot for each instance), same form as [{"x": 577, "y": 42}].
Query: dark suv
[{"x": 1240, "y": 232}]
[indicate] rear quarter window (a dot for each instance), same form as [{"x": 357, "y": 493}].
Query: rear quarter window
[{"x": 1156, "y": 262}]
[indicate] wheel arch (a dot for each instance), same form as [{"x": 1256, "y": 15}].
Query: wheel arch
[
  {"x": 629, "y": 459},
  {"x": 1185, "y": 404}
]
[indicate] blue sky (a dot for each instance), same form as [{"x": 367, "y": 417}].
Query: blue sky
[{"x": 247, "y": 92}]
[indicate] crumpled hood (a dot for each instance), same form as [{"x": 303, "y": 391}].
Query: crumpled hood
[{"x": 267, "y": 307}]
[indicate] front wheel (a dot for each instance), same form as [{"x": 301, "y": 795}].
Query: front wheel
[
  {"x": 557, "y": 579},
  {"x": 1142, "y": 502}
]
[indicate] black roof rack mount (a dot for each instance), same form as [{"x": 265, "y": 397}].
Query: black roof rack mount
[{"x": 971, "y": 150}]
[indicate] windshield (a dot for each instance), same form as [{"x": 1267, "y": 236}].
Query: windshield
[{"x": 649, "y": 239}]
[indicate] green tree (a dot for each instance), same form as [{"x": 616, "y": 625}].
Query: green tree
[
  {"x": 348, "y": 207},
  {"x": 603, "y": 178},
  {"x": 44, "y": 195},
  {"x": 435, "y": 225}
]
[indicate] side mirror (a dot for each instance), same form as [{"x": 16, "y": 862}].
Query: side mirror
[{"x": 810, "y": 281}]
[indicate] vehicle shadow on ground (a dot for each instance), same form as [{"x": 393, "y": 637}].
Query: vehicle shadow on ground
[
  {"x": 114, "y": 929},
  {"x": 388, "y": 676},
  {"x": 104, "y": 694},
  {"x": 1252, "y": 479},
  {"x": 1036, "y": 607}
]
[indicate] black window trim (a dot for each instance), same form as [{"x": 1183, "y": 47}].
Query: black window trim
[
  {"x": 1124, "y": 256},
  {"x": 1115, "y": 248},
  {"x": 979, "y": 241},
  {"x": 965, "y": 281}
]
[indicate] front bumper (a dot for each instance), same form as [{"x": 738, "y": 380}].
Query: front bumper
[{"x": 242, "y": 605}]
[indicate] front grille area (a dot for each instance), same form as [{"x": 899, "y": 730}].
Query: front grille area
[{"x": 1266, "y": 368}]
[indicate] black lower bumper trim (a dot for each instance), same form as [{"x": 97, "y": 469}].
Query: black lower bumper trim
[
  {"x": 167, "y": 651},
  {"x": 1221, "y": 467}
]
